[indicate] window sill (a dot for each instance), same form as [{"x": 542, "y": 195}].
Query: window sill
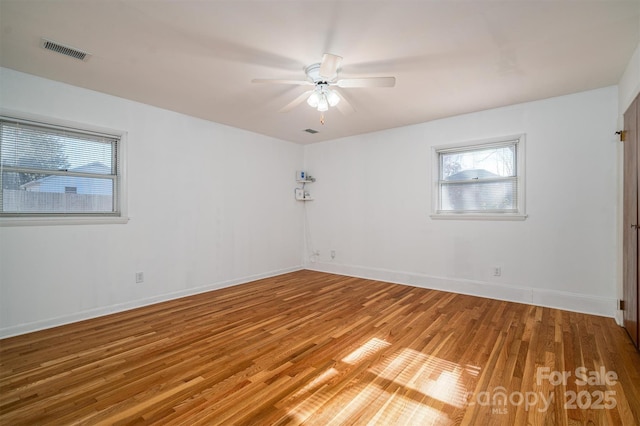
[
  {"x": 478, "y": 216},
  {"x": 46, "y": 221}
]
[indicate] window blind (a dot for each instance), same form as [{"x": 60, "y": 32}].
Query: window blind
[
  {"x": 54, "y": 170},
  {"x": 479, "y": 179}
]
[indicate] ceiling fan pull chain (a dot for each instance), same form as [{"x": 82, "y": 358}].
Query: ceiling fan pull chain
[{"x": 322, "y": 118}]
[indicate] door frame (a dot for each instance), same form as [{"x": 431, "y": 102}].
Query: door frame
[{"x": 631, "y": 221}]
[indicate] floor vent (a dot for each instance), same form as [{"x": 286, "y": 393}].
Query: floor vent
[
  {"x": 312, "y": 131},
  {"x": 64, "y": 50}
]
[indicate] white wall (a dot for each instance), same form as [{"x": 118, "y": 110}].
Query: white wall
[
  {"x": 372, "y": 205},
  {"x": 210, "y": 206},
  {"x": 629, "y": 84}
]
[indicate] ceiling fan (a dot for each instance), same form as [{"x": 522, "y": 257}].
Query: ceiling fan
[{"x": 324, "y": 77}]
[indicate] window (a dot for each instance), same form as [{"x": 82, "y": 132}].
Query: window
[
  {"x": 50, "y": 171},
  {"x": 481, "y": 180}
]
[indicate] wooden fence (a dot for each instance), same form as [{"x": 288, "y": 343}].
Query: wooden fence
[{"x": 17, "y": 201}]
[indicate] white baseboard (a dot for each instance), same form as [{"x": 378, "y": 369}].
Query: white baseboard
[
  {"x": 619, "y": 318},
  {"x": 121, "y": 307},
  {"x": 567, "y": 301},
  {"x": 533, "y": 296}
]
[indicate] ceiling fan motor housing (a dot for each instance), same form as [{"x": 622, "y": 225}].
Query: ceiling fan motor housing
[{"x": 313, "y": 74}]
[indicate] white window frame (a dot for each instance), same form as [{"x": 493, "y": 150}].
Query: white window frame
[
  {"x": 437, "y": 213},
  {"x": 75, "y": 218}
]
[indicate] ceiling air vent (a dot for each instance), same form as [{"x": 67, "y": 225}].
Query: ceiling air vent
[
  {"x": 313, "y": 132},
  {"x": 64, "y": 50}
]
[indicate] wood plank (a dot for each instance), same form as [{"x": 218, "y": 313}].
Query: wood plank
[{"x": 320, "y": 349}]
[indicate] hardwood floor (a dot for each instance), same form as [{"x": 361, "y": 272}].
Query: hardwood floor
[{"x": 323, "y": 349}]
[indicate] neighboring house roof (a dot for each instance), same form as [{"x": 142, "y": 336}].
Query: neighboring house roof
[
  {"x": 471, "y": 174},
  {"x": 95, "y": 167}
]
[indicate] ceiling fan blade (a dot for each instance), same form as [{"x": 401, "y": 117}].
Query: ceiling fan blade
[
  {"x": 344, "y": 106},
  {"x": 329, "y": 65},
  {"x": 367, "y": 82},
  {"x": 277, "y": 81},
  {"x": 297, "y": 101}
]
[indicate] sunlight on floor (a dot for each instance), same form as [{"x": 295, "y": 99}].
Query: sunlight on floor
[
  {"x": 400, "y": 410},
  {"x": 429, "y": 375},
  {"x": 359, "y": 399},
  {"x": 317, "y": 382},
  {"x": 408, "y": 387},
  {"x": 366, "y": 350}
]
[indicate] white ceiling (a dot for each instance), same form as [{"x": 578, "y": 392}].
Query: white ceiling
[{"x": 449, "y": 57}]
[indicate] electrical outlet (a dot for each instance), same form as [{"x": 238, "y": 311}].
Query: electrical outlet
[
  {"x": 333, "y": 254},
  {"x": 139, "y": 277},
  {"x": 497, "y": 271}
]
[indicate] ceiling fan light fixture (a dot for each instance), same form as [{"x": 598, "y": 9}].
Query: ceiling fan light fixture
[
  {"x": 313, "y": 100},
  {"x": 323, "y": 104},
  {"x": 332, "y": 98}
]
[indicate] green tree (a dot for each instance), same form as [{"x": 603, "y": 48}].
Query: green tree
[{"x": 29, "y": 150}]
